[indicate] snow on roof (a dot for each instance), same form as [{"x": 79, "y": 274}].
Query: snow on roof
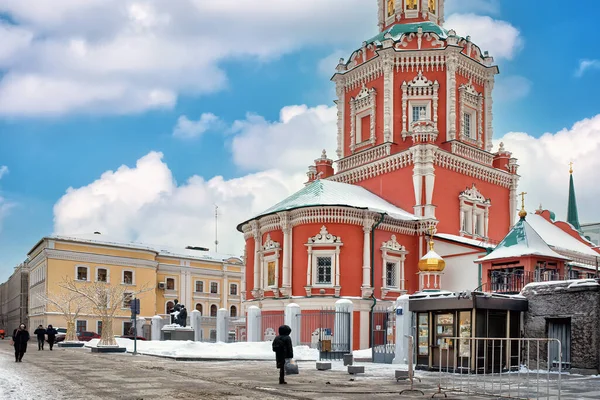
[
  {"x": 573, "y": 283},
  {"x": 165, "y": 251},
  {"x": 329, "y": 193},
  {"x": 558, "y": 238},
  {"x": 472, "y": 242},
  {"x": 522, "y": 240}
]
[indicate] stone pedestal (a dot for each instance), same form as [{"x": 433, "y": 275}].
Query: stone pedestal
[
  {"x": 356, "y": 369},
  {"x": 348, "y": 359},
  {"x": 323, "y": 366},
  {"x": 70, "y": 344},
  {"x": 109, "y": 349},
  {"x": 254, "y": 324},
  {"x": 176, "y": 332}
]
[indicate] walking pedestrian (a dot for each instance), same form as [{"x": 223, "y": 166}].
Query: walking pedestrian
[
  {"x": 40, "y": 332},
  {"x": 20, "y": 338},
  {"x": 51, "y": 332},
  {"x": 282, "y": 346}
]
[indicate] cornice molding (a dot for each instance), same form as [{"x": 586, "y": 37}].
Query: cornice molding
[{"x": 98, "y": 259}]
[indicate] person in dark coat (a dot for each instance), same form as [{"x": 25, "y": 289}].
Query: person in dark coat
[
  {"x": 282, "y": 346},
  {"x": 40, "y": 332},
  {"x": 51, "y": 332},
  {"x": 20, "y": 338}
]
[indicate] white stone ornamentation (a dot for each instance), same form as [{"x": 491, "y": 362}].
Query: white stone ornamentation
[
  {"x": 324, "y": 237},
  {"x": 361, "y": 106}
]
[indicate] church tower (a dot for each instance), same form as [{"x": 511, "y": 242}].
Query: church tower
[{"x": 415, "y": 123}]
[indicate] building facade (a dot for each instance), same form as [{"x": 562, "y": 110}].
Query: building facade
[
  {"x": 592, "y": 231},
  {"x": 199, "y": 280},
  {"x": 414, "y": 148},
  {"x": 14, "y": 299}
]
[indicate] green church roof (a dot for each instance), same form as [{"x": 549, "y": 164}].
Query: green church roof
[
  {"x": 572, "y": 214},
  {"x": 396, "y": 31}
]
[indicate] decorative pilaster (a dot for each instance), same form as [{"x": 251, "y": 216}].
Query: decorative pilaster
[
  {"x": 367, "y": 290},
  {"x": 341, "y": 106},
  {"x": 286, "y": 227},
  {"x": 489, "y": 116},
  {"x": 418, "y": 181},
  {"x": 352, "y": 126},
  {"x": 308, "y": 286},
  {"x": 480, "y": 120},
  {"x": 428, "y": 171},
  {"x": 436, "y": 88},
  {"x": 404, "y": 110},
  {"x": 452, "y": 65},
  {"x": 257, "y": 256},
  {"x": 461, "y": 112},
  {"x": 388, "y": 100}
]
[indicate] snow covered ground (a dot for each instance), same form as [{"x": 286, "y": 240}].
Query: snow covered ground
[{"x": 239, "y": 351}]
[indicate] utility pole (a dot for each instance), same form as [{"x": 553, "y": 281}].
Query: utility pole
[{"x": 216, "y": 228}]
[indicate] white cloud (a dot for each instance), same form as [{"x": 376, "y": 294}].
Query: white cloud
[
  {"x": 585, "y": 65},
  {"x": 498, "y": 37},
  {"x": 123, "y": 56},
  {"x": 544, "y": 167},
  {"x": 188, "y": 129},
  {"x": 291, "y": 144},
  {"x": 145, "y": 204},
  {"x": 511, "y": 87},
  {"x": 3, "y": 170}
]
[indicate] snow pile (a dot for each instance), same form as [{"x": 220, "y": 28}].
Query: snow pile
[
  {"x": 226, "y": 351},
  {"x": 364, "y": 353}
]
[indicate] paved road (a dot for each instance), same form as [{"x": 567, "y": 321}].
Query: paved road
[{"x": 79, "y": 374}]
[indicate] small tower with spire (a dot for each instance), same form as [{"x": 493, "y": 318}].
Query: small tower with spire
[
  {"x": 572, "y": 214},
  {"x": 431, "y": 268}
]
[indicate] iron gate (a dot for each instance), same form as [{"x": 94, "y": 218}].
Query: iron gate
[
  {"x": 383, "y": 335},
  {"x": 328, "y": 331}
]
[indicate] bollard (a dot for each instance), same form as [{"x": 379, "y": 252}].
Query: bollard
[
  {"x": 254, "y": 322},
  {"x": 156, "y": 326},
  {"x": 222, "y": 325},
  {"x": 292, "y": 319}
]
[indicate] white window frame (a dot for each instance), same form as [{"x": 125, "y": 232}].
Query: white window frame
[
  {"x": 265, "y": 271},
  {"x": 412, "y": 13},
  {"x": 474, "y": 213},
  {"x": 470, "y": 134},
  {"x": 174, "y": 283},
  {"x": 77, "y": 323},
  {"x": 394, "y": 252},
  {"x": 315, "y": 265},
  {"x": 87, "y": 273},
  {"x": 362, "y": 105},
  {"x": 196, "y": 286},
  {"x": 107, "y": 274},
  {"x": 396, "y": 261},
  {"x": 419, "y": 103},
  {"x": 237, "y": 289},
  {"x": 359, "y": 139},
  {"x": 123, "y": 306},
  {"x": 132, "y": 277},
  {"x": 210, "y": 309},
  {"x": 390, "y": 19},
  {"x": 210, "y": 287}
]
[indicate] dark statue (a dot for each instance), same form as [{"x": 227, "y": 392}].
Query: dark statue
[
  {"x": 182, "y": 317},
  {"x": 178, "y": 314}
]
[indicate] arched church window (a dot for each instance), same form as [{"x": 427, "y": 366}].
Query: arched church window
[
  {"x": 393, "y": 255},
  {"x": 474, "y": 213}
]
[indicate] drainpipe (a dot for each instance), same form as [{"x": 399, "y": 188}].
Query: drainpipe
[{"x": 373, "y": 274}]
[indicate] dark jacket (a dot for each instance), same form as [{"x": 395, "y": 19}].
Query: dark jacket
[
  {"x": 20, "y": 338},
  {"x": 40, "y": 332},
  {"x": 51, "y": 332},
  {"x": 282, "y": 345}
]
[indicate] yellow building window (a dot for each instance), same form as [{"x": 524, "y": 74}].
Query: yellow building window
[
  {"x": 233, "y": 289},
  {"x": 170, "y": 284},
  {"x": 199, "y": 286},
  {"x": 102, "y": 275},
  {"x": 128, "y": 277}
]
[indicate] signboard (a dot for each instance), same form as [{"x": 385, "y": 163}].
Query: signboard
[
  {"x": 135, "y": 307},
  {"x": 399, "y": 311}
]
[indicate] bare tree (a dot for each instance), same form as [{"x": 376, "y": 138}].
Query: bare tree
[
  {"x": 71, "y": 305},
  {"x": 105, "y": 301}
]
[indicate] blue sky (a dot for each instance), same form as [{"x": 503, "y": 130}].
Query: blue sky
[{"x": 74, "y": 104}]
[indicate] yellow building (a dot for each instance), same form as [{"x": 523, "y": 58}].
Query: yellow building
[{"x": 198, "y": 279}]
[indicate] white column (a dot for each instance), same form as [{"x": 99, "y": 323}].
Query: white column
[
  {"x": 309, "y": 267},
  {"x": 196, "y": 324},
  {"x": 341, "y": 334},
  {"x": 225, "y": 288},
  {"x": 157, "y": 324},
  {"x": 337, "y": 266},
  {"x": 257, "y": 266},
  {"x": 254, "y": 323},
  {"x": 292, "y": 319},
  {"x": 367, "y": 257},
  {"x": 451, "y": 64},
  {"x": 222, "y": 325},
  {"x": 403, "y": 323}
]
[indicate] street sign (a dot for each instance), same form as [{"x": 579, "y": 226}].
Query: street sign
[{"x": 135, "y": 306}]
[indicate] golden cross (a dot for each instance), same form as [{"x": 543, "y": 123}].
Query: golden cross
[
  {"x": 571, "y": 167},
  {"x": 431, "y": 231},
  {"x": 522, "y": 194}
]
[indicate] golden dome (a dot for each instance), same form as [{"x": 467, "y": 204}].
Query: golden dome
[
  {"x": 522, "y": 213},
  {"x": 432, "y": 261}
]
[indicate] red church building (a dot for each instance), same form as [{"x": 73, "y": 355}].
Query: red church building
[{"x": 414, "y": 149}]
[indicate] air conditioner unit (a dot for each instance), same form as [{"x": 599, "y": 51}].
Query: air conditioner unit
[{"x": 162, "y": 285}]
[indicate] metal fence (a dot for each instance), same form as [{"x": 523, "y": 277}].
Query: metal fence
[
  {"x": 328, "y": 331},
  {"x": 236, "y": 329},
  {"x": 384, "y": 335},
  {"x": 270, "y": 323},
  {"x": 507, "y": 368}
]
